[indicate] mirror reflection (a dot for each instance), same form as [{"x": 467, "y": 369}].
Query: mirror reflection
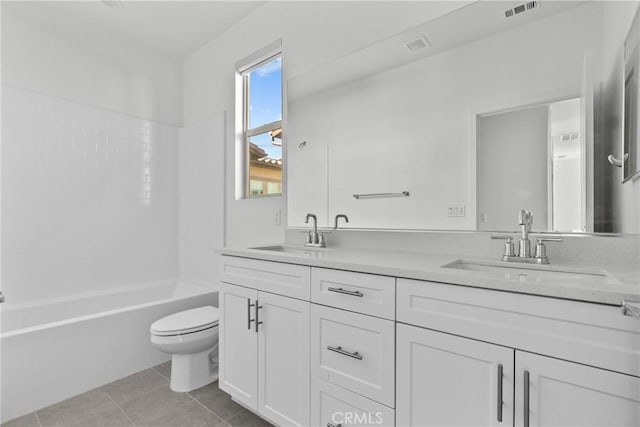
[
  {"x": 535, "y": 155},
  {"x": 475, "y": 114}
]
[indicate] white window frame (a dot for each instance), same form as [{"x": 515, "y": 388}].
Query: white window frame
[{"x": 244, "y": 68}]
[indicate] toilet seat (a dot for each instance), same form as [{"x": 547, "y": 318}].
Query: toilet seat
[{"x": 186, "y": 322}]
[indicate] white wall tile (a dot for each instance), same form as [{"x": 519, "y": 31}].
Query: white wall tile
[{"x": 77, "y": 214}]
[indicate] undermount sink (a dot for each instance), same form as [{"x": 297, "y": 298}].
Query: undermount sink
[
  {"x": 525, "y": 273},
  {"x": 298, "y": 250}
]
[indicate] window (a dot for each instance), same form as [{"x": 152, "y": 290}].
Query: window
[{"x": 262, "y": 126}]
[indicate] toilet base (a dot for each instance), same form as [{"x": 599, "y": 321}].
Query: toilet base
[{"x": 192, "y": 371}]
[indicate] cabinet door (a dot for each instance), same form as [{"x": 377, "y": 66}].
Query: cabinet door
[
  {"x": 283, "y": 359},
  {"x": 445, "y": 380},
  {"x": 560, "y": 393},
  {"x": 238, "y": 346}
]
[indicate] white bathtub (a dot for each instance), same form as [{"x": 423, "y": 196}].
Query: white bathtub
[{"x": 52, "y": 350}]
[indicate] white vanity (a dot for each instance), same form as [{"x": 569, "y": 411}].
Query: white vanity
[{"x": 356, "y": 337}]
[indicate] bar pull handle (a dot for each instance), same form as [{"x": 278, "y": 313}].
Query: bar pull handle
[
  {"x": 375, "y": 195},
  {"x": 500, "y": 401},
  {"x": 249, "y": 319},
  {"x": 258, "y": 322},
  {"x": 526, "y": 399},
  {"x": 346, "y": 292},
  {"x": 334, "y": 425},
  {"x": 339, "y": 350}
]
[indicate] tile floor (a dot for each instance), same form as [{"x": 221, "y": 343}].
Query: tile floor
[{"x": 143, "y": 399}]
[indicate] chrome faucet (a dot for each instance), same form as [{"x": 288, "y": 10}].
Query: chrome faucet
[
  {"x": 343, "y": 216},
  {"x": 314, "y": 238},
  {"x": 1, "y": 297},
  {"x": 525, "y": 219}
]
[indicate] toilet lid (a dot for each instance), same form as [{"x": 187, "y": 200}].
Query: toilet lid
[{"x": 187, "y": 321}]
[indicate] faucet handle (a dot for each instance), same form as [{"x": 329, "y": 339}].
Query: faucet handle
[
  {"x": 541, "y": 249},
  {"x": 509, "y": 250},
  {"x": 321, "y": 240},
  {"x": 548, "y": 239}
]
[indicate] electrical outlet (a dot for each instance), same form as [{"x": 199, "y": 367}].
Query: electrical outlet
[
  {"x": 277, "y": 219},
  {"x": 456, "y": 211},
  {"x": 483, "y": 217}
]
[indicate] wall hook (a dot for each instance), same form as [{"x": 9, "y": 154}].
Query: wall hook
[{"x": 617, "y": 162}]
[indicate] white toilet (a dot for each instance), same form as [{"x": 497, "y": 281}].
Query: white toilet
[{"x": 191, "y": 337}]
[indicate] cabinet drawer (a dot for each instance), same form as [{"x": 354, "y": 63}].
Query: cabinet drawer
[
  {"x": 279, "y": 278},
  {"x": 592, "y": 334},
  {"x": 332, "y": 405},
  {"x": 354, "y": 351},
  {"x": 364, "y": 293}
]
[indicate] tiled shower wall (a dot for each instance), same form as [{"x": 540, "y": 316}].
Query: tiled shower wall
[{"x": 89, "y": 198}]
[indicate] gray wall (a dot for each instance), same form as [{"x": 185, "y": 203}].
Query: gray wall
[
  {"x": 617, "y": 204},
  {"x": 512, "y": 168}
]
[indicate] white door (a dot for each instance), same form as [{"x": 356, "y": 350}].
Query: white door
[
  {"x": 283, "y": 355},
  {"x": 238, "y": 351},
  {"x": 445, "y": 380},
  {"x": 560, "y": 393}
]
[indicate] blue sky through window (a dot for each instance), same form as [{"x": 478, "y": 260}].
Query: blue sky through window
[
  {"x": 265, "y": 95},
  {"x": 265, "y": 103}
]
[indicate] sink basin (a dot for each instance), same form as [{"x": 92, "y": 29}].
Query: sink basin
[
  {"x": 298, "y": 250},
  {"x": 525, "y": 273}
]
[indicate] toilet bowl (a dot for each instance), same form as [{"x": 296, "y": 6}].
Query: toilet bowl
[{"x": 191, "y": 337}]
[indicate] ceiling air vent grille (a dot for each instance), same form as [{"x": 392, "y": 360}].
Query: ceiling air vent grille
[
  {"x": 521, "y": 8},
  {"x": 417, "y": 44},
  {"x": 570, "y": 137}
]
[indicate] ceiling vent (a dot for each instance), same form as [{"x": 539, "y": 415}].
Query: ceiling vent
[
  {"x": 524, "y": 7},
  {"x": 570, "y": 137},
  {"x": 417, "y": 44}
]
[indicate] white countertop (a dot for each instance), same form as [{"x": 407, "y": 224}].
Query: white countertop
[{"x": 609, "y": 287}]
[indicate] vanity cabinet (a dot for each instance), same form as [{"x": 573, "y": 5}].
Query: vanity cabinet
[
  {"x": 332, "y": 406},
  {"x": 363, "y": 293},
  {"x": 304, "y": 345},
  {"x": 443, "y": 379},
  {"x": 473, "y": 332},
  {"x": 264, "y": 341},
  {"x": 238, "y": 345},
  {"x": 354, "y": 351},
  {"x": 553, "y": 392}
]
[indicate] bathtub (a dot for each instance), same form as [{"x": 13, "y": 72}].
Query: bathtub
[{"x": 52, "y": 350}]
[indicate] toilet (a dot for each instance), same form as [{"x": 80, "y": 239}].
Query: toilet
[{"x": 191, "y": 337}]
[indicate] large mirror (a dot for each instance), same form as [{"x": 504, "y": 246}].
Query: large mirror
[{"x": 459, "y": 123}]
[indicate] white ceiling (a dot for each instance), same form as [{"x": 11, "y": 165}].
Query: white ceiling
[
  {"x": 461, "y": 25},
  {"x": 172, "y": 29}
]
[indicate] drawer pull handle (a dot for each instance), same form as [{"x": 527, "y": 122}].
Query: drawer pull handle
[
  {"x": 334, "y": 425},
  {"x": 258, "y": 307},
  {"x": 631, "y": 308},
  {"x": 500, "y": 402},
  {"x": 339, "y": 350},
  {"x": 526, "y": 399},
  {"x": 249, "y": 319},
  {"x": 346, "y": 292}
]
